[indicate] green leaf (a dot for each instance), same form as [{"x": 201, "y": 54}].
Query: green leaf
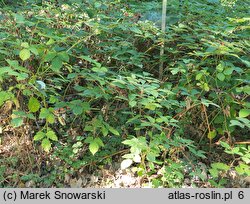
[
  {"x": 24, "y": 54},
  {"x": 50, "y": 42},
  {"x": 44, "y": 113},
  {"x": 198, "y": 76},
  {"x": 33, "y": 105},
  {"x": 56, "y": 64},
  {"x": 126, "y": 163},
  {"x": 211, "y": 135},
  {"x": 17, "y": 122},
  {"x": 244, "y": 113},
  {"x": 64, "y": 56},
  {"x": 113, "y": 130},
  {"x": 236, "y": 123},
  {"x": 220, "y": 166},
  {"x": 228, "y": 71},
  {"x": 220, "y": 67},
  {"x": 242, "y": 169},
  {"x": 206, "y": 87},
  {"x": 214, "y": 173},
  {"x": 99, "y": 69},
  {"x": 93, "y": 147},
  {"x": 25, "y": 45},
  {"x": 99, "y": 142},
  {"x": 136, "y": 30},
  {"x": 4, "y": 96},
  {"x": 77, "y": 109},
  {"x": 104, "y": 131},
  {"x": 151, "y": 156},
  {"x": 225, "y": 145},
  {"x": 20, "y": 19},
  {"x": 46, "y": 145},
  {"x": 51, "y": 135},
  {"x": 50, "y": 118},
  {"x": 39, "y": 136},
  {"x": 49, "y": 56},
  {"x": 132, "y": 103},
  {"x": 34, "y": 50},
  {"x": 89, "y": 139},
  {"x": 221, "y": 76},
  {"x": 151, "y": 106}
]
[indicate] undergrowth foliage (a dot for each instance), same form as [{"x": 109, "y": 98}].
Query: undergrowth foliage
[{"x": 79, "y": 78}]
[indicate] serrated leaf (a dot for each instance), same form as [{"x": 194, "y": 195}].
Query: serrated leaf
[
  {"x": 4, "y": 96},
  {"x": 220, "y": 166},
  {"x": 151, "y": 156},
  {"x": 228, "y": 71},
  {"x": 44, "y": 113},
  {"x": 225, "y": 145},
  {"x": 89, "y": 139},
  {"x": 126, "y": 163},
  {"x": 64, "y": 56},
  {"x": 198, "y": 76},
  {"x": 211, "y": 135},
  {"x": 50, "y": 118},
  {"x": 132, "y": 103},
  {"x": 136, "y": 30},
  {"x": 104, "y": 131},
  {"x": 56, "y": 64},
  {"x": 206, "y": 87},
  {"x": 33, "y": 105},
  {"x": 99, "y": 142},
  {"x": 49, "y": 56},
  {"x": 99, "y": 69},
  {"x": 150, "y": 106},
  {"x": 113, "y": 130},
  {"x": 17, "y": 122},
  {"x": 214, "y": 172},
  {"x": 34, "y": 50},
  {"x": 39, "y": 136},
  {"x": 25, "y": 45},
  {"x": 51, "y": 135},
  {"x": 50, "y": 42},
  {"x": 220, "y": 67},
  {"x": 93, "y": 147},
  {"x": 46, "y": 145},
  {"x": 24, "y": 54},
  {"x": 221, "y": 76},
  {"x": 244, "y": 113}
]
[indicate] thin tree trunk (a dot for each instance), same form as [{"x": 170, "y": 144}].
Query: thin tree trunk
[{"x": 163, "y": 29}]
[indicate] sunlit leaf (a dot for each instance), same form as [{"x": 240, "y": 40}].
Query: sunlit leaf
[
  {"x": 33, "y": 105},
  {"x": 24, "y": 54},
  {"x": 93, "y": 147},
  {"x": 212, "y": 134},
  {"x": 244, "y": 113},
  {"x": 17, "y": 122},
  {"x": 46, "y": 145},
  {"x": 52, "y": 135},
  {"x": 126, "y": 163},
  {"x": 39, "y": 136}
]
